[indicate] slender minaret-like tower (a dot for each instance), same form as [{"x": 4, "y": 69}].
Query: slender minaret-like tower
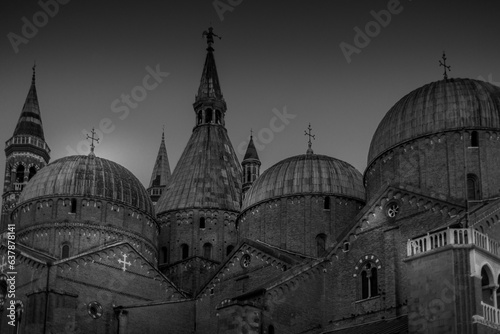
[
  {"x": 197, "y": 210},
  {"x": 25, "y": 152},
  {"x": 251, "y": 166},
  {"x": 161, "y": 172}
]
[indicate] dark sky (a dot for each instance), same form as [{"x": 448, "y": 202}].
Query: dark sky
[{"x": 273, "y": 56}]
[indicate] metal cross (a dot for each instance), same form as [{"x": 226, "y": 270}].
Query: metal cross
[
  {"x": 446, "y": 67},
  {"x": 308, "y": 133},
  {"x": 124, "y": 261},
  {"x": 3, "y": 265},
  {"x": 92, "y": 139},
  {"x": 251, "y": 132}
]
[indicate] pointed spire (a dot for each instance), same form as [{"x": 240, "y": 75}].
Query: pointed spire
[
  {"x": 209, "y": 83},
  {"x": 161, "y": 172},
  {"x": 251, "y": 166},
  {"x": 251, "y": 152},
  {"x": 30, "y": 121}
]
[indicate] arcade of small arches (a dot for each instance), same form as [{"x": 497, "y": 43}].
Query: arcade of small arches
[
  {"x": 207, "y": 251},
  {"x": 209, "y": 116},
  {"x": 490, "y": 284}
]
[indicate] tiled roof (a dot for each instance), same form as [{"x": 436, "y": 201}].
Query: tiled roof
[
  {"x": 306, "y": 174},
  {"x": 397, "y": 325},
  {"x": 439, "y": 106},
  {"x": 208, "y": 174},
  {"x": 88, "y": 175}
]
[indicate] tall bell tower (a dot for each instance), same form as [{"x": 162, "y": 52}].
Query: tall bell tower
[{"x": 25, "y": 152}]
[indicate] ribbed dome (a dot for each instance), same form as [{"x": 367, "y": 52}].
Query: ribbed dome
[
  {"x": 86, "y": 175},
  {"x": 438, "y": 107},
  {"x": 306, "y": 174},
  {"x": 208, "y": 174}
]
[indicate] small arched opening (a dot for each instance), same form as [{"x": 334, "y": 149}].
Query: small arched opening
[
  {"x": 474, "y": 139},
  {"x": 320, "y": 244},
  {"x": 207, "y": 250},
  {"x": 487, "y": 286},
  {"x": 65, "y": 250},
  {"x": 184, "y": 251},
  {"x": 32, "y": 172},
  {"x": 208, "y": 115},
  {"x": 472, "y": 187},
  {"x": 20, "y": 174}
]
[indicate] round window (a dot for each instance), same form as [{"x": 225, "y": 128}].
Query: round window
[
  {"x": 245, "y": 261},
  {"x": 94, "y": 309},
  {"x": 392, "y": 209}
]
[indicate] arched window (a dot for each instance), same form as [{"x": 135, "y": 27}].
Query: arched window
[
  {"x": 217, "y": 116},
  {"x": 202, "y": 222},
  {"x": 229, "y": 249},
  {"x": 320, "y": 244},
  {"x": 184, "y": 251},
  {"x": 487, "y": 286},
  {"x": 474, "y": 139},
  {"x": 64, "y": 251},
  {"x": 326, "y": 203},
  {"x": 207, "y": 250},
  {"x": 164, "y": 254},
  {"x": 498, "y": 292},
  {"x": 369, "y": 281},
  {"x": 208, "y": 116},
  {"x": 472, "y": 187},
  {"x": 73, "y": 205},
  {"x": 270, "y": 329},
  {"x": 32, "y": 171},
  {"x": 20, "y": 174},
  {"x": 199, "y": 117},
  {"x": 3, "y": 291}
]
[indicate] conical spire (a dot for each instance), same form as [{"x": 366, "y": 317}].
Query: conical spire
[
  {"x": 209, "y": 83},
  {"x": 30, "y": 121},
  {"x": 250, "y": 165},
  {"x": 161, "y": 172},
  {"x": 251, "y": 153},
  {"x": 209, "y": 105}
]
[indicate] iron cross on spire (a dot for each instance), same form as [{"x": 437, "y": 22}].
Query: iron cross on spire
[
  {"x": 445, "y": 67},
  {"x": 309, "y": 143},
  {"x": 92, "y": 139}
]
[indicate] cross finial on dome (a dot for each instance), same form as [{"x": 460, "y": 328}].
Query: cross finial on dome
[
  {"x": 445, "y": 67},
  {"x": 92, "y": 139},
  {"x": 309, "y": 143}
]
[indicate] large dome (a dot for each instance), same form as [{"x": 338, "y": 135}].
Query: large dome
[
  {"x": 306, "y": 174},
  {"x": 88, "y": 175},
  {"x": 437, "y": 107}
]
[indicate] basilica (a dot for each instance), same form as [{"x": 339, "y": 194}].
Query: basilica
[{"x": 310, "y": 245}]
